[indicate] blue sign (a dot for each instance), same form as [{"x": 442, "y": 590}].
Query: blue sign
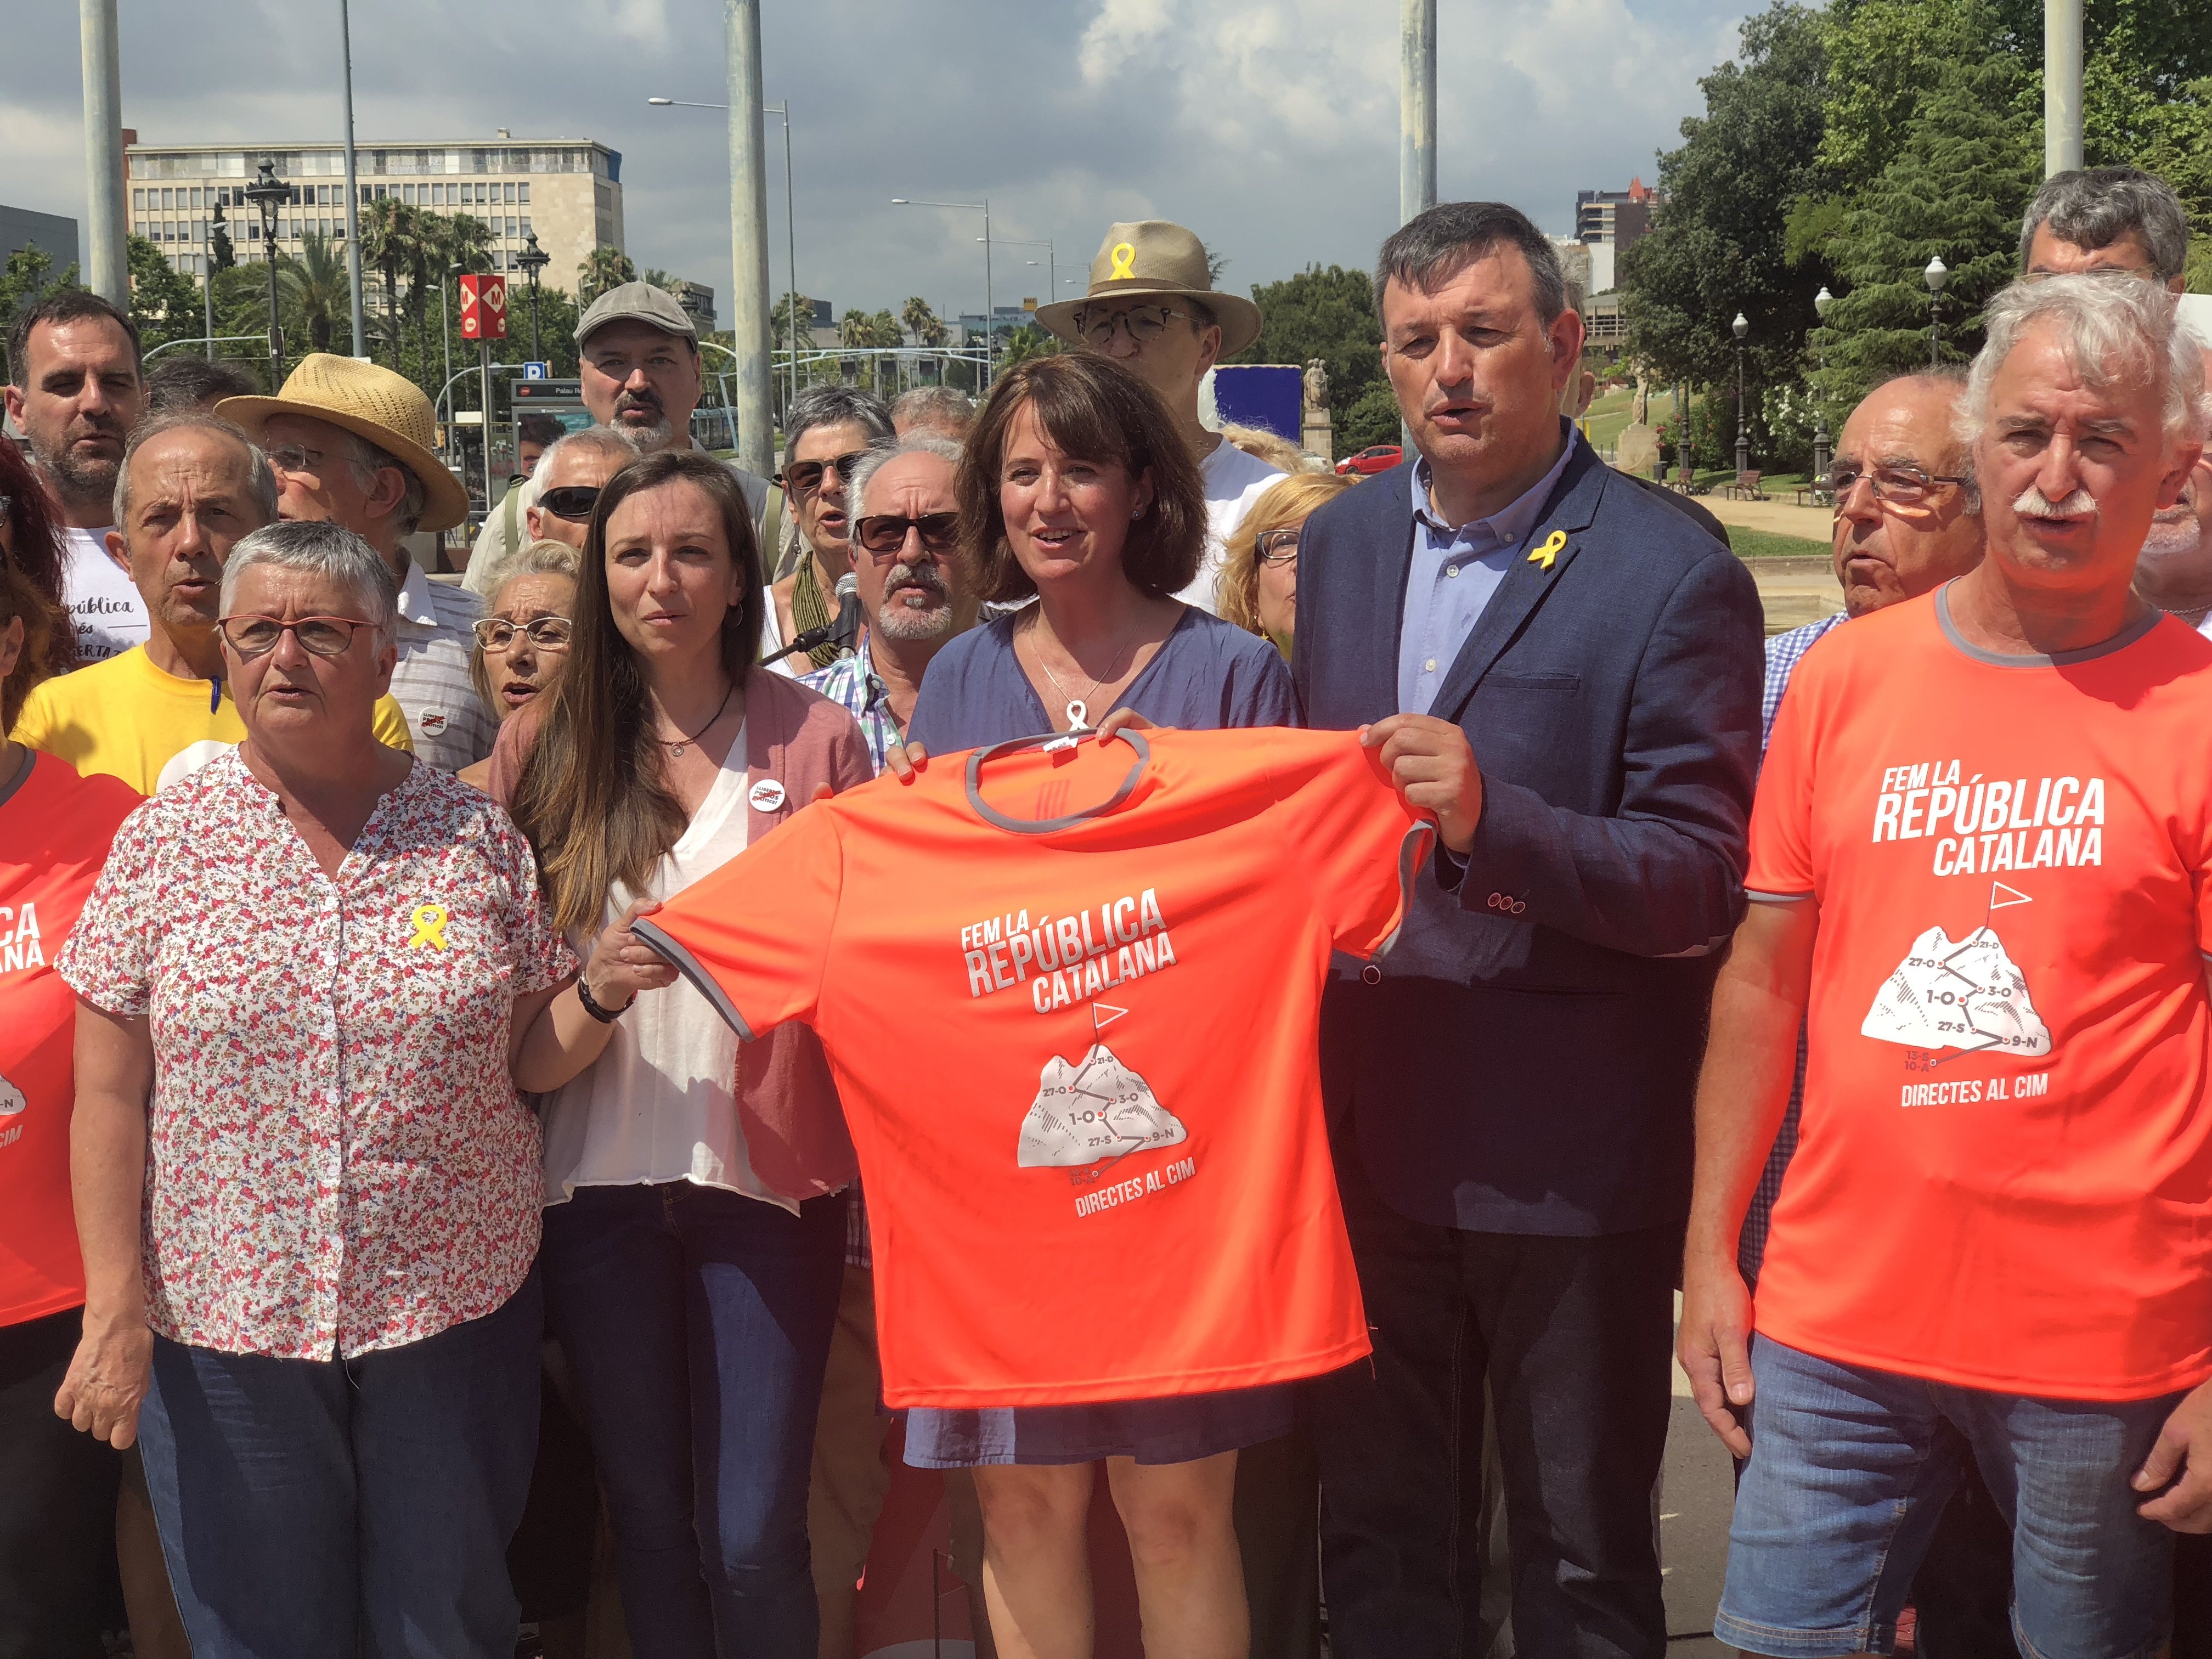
[
  {"x": 1267, "y": 395},
  {"x": 537, "y": 371}
]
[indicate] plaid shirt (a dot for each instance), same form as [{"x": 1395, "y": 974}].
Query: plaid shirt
[
  {"x": 1784, "y": 652},
  {"x": 851, "y": 683}
]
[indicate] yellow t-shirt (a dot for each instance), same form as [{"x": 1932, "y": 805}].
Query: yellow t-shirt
[{"x": 130, "y": 720}]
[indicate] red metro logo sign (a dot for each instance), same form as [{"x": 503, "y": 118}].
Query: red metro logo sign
[{"x": 483, "y": 306}]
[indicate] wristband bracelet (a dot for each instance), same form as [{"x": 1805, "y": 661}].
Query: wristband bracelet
[{"x": 604, "y": 1016}]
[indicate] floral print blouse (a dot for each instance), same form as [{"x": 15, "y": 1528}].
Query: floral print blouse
[{"x": 338, "y": 1160}]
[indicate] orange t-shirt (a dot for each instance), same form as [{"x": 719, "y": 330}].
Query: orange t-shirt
[
  {"x": 2003, "y": 1175},
  {"x": 54, "y": 835},
  {"x": 1080, "y": 1062}
]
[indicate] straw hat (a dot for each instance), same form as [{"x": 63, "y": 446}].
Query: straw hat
[
  {"x": 1152, "y": 259},
  {"x": 387, "y": 409}
]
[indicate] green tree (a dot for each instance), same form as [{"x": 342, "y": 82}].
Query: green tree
[
  {"x": 1328, "y": 314},
  {"x": 24, "y": 284},
  {"x": 1373, "y": 419},
  {"x": 388, "y": 242},
  {"x": 1720, "y": 240},
  {"x": 603, "y": 268},
  {"x": 1017, "y": 346},
  {"x": 1955, "y": 190},
  {"x": 316, "y": 292},
  {"x": 165, "y": 303},
  {"x": 922, "y": 323}
]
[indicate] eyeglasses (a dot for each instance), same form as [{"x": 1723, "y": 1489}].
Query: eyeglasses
[
  {"x": 546, "y": 633},
  {"x": 573, "y": 502},
  {"x": 1895, "y": 486},
  {"x": 1144, "y": 322},
  {"x": 805, "y": 478},
  {"x": 1279, "y": 547},
  {"x": 319, "y": 636},
  {"x": 2134, "y": 273},
  {"x": 295, "y": 457},
  {"x": 886, "y": 532}
]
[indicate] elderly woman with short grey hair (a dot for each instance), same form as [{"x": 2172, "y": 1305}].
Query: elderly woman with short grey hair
[
  {"x": 311, "y": 981},
  {"x": 828, "y": 430}
]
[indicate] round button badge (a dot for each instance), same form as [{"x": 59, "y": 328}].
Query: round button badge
[{"x": 766, "y": 796}]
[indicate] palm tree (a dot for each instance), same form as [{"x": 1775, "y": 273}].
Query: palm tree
[
  {"x": 389, "y": 233},
  {"x": 603, "y": 268},
  {"x": 317, "y": 293},
  {"x": 922, "y": 323},
  {"x": 1017, "y": 345}
]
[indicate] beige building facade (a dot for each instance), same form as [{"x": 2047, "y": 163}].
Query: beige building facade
[{"x": 568, "y": 190}]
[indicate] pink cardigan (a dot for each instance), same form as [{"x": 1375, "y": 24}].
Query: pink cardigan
[{"x": 787, "y": 1107}]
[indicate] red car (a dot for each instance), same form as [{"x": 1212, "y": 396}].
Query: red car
[{"x": 1375, "y": 458}]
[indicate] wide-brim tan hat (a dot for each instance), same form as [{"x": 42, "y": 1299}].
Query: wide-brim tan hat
[
  {"x": 1154, "y": 259},
  {"x": 387, "y": 409}
]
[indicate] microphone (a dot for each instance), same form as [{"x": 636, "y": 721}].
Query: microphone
[{"x": 842, "y": 630}]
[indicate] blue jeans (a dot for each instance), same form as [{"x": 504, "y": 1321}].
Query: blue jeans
[
  {"x": 350, "y": 1505},
  {"x": 1851, "y": 1468},
  {"x": 697, "y": 1324}
]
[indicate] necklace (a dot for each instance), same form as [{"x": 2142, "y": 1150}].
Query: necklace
[
  {"x": 1078, "y": 711},
  {"x": 679, "y": 744}
]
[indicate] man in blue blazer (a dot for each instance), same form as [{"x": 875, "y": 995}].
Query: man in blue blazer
[{"x": 1567, "y": 673}]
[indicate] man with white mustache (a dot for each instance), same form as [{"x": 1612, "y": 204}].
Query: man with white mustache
[
  {"x": 916, "y": 598},
  {"x": 1981, "y": 881}
]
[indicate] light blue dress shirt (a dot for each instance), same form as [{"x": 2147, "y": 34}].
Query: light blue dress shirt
[{"x": 1454, "y": 572}]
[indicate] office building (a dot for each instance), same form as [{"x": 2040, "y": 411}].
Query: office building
[
  {"x": 52, "y": 234},
  {"x": 566, "y": 190},
  {"x": 1613, "y": 217}
]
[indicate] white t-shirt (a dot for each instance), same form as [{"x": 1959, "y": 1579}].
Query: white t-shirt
[
  {"x": 103, "y": 602},
  {"x": 1234, "y": 480},
  {"x": 790, "y": 668},
  {"x": 658, "y": 1102}
]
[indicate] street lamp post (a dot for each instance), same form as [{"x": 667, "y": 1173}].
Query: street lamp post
[
  {"x": 990, "y": 318},
  {"x": 533, "y": 259},
  {"x": 268, "y": 192},
  {"x": 1821, "y": 301},
  {"x": 1051, "y": 264},
  {"x": 1741, "y": 328},
  {"x": 1936, "y": 276}
]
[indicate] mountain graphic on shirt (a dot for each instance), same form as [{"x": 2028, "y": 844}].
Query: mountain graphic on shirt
[
  {"x": 12, "y": 1099},
  {"x": 1098, "y": 1110},
  {"x": 1963, "y": 994}
]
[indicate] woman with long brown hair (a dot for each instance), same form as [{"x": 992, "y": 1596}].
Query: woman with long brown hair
[
  {"x": 694, "y": 1246},
  {"x": 31, "y": 544}
]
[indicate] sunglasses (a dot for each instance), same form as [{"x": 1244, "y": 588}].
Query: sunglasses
[
  {"x": 546, "y": 633},
  {"x": 319, "y": 636},
  {"x": 805, "y": 478},
  {"x": 886, "y": 532},
  {"x": 573, "y": 502}
]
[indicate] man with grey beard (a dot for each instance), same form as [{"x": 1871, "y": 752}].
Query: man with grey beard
[
  {"x": 2173, "y": 571},
  {"x": 915, "y": 599}
]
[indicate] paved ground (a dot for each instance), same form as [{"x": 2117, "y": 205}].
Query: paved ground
[
  {"x": 1777, "y": 515},
  {"x": 1695, "y": 1495}
]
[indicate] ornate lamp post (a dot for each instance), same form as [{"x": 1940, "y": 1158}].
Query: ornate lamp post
[
  {"x": 1936, "y": 276},
  {"x": 533, "y": 259},
  {"x": 1821, "y": 301},
  {"x": 269, "y": 192},
  {"x": 1741, "y": 328}
]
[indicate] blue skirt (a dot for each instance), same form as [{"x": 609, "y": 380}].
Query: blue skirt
[{"x": 1181, "y": 1429}]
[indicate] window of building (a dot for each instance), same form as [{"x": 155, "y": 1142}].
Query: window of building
[
  {"x": 526, "y": 224},
  {"x": 524, "y": 198},
  {"x": 138, "y": 200},
  {"x": 511, "y": 231}
]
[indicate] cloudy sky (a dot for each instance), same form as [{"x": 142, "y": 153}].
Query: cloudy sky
[{"x": 1269, "y": 126}]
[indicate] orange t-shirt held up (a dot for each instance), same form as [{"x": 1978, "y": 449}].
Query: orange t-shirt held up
[
  {"x": 2003, "y": 1177},
  {"x": 1072, "y": 1018}
]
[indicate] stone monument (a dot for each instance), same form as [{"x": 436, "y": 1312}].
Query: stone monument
[{"x": 1317, "y": 436}]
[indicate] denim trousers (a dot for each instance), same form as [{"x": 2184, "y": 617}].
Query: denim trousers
[
  {"x": 350, "y": 1505},
  {"x": 697, "y": 1324}
]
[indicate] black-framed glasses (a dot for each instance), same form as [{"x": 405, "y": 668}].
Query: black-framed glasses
[
  {"x": 1143, "y": 322},
  {"x": 295, "y": 457},
  {"x": 546, "y": 633},
  {"x": 886, "y": 532},
  {"x": 251, "y": 635},
  {"x": 1897, "y": 486},
  {"x": 1279, "y": 547},
  {"x": 805, "y": 478},
  {"x": 573, "y": 502}
]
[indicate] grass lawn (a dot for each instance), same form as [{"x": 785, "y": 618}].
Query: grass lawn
[{"x": 1766, "y": 544}]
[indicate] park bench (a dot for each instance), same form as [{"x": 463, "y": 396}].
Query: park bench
[{"x": 1745, "y": 488}]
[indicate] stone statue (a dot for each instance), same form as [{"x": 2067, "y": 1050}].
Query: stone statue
[
  {"x": 1317, "y": 384},
  {"x": 1643, "y": 415}
]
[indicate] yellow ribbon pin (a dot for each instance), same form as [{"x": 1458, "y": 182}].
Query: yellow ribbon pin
[
  {"x": 1125, "y": 263},
  {"x": 430, "y": 921},
  {"x": 1549, "y": 552}
]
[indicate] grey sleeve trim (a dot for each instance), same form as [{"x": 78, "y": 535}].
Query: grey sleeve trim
[
  {"x": 688, "y": 965},
  {"x": 1757, "y": 897},
  {"x": 1413, "y": 852}
]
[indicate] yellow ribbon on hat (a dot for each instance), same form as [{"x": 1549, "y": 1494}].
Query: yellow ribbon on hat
[
  {"x": 1125, "y": 263},
  {"x": 430, "y": 921},
  {"x": 1549, "y": 552}
]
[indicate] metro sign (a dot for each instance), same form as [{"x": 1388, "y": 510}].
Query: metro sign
[{"x": 483, "y": 306}]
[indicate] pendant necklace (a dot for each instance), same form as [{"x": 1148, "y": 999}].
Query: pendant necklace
[
  {"x": 677, "y": 745},
  {"x": 1079, "y": 710}
]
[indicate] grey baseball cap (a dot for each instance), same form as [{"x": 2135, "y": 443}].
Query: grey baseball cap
[{"x": 637, "y": 302}]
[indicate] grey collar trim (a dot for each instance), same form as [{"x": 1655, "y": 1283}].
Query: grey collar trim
[{"x": 2119, "y": 642}]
